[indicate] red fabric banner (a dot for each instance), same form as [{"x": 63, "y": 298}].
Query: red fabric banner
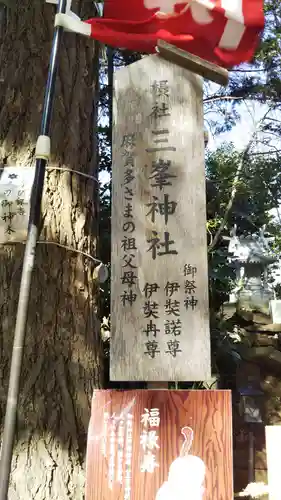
[{"x": 222, "y": 31}]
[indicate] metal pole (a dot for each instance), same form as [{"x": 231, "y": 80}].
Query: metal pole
[{"x": 28, "y": 265}]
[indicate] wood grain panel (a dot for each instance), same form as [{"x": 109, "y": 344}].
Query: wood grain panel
[
  {"x": 208, "y": 413},
  {"x": 158, "y": 226}
]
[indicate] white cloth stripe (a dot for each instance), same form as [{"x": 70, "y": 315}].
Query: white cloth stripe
[
  {"x": 232, "y": 35},
  {"x": 233, "y": 9},
  {"x": 235, "y": 27}
]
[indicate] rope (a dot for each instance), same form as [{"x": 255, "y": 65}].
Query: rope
[
  {"x": 64, "y": 169},
  {"x": 74, "y": 172},
  {"x": 71, "y": 249}
]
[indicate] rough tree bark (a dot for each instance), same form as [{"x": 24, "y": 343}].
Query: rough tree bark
[{"x": 63, "y": 353}]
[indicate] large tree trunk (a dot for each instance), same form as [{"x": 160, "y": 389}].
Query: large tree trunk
[{"x": 63, "y": 351}]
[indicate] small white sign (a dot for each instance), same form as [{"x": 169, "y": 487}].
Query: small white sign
[{"x": 15, "y": 191}]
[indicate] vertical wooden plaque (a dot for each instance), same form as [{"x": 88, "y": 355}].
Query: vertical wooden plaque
[
  {"x": 160, "y": 445},
  {"x": 159, "y": 289}
]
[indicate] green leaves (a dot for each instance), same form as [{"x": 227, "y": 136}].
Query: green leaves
[{"x": 258, "y": 187}]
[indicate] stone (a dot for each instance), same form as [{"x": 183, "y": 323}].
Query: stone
[
  {"x": 254, "y": 302},
  {"x": 263, "y": 340},
  {"x": 273, "y": 328},
  {"x": 274, "y": 357},
  {"x": 264, "y": 352},
  {"x": 246, "y": 315},
  {"x": 261, "y": 318},
  {"x": 228, "y": 310},
  {"x": 266, "y": 356},
  {"x": 254, "y": 354},
  {"x": 258, "y": 317}
]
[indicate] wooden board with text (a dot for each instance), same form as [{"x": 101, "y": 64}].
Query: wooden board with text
[
  {"x": 160, "y": 445},
  {"x": 159, "y": 278}
]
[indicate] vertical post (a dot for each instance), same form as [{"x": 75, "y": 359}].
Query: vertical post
[{"x": 28, "y": 265}]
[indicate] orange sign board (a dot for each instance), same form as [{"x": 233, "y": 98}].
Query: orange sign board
[{"x": 160, "y": 445}]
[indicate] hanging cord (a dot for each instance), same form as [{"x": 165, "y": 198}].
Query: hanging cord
[
  {"x": 71, "y": 249},
  {"x": 66, "y": 169},
  {"x": 66, "y": 247},
  {"x": 63, "y": 169}
]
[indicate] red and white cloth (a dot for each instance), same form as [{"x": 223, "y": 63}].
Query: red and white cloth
[{"x": 222, "y": 31}]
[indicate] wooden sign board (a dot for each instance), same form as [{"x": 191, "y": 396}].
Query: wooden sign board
[
  {"x": 160, "y": 445},
  {"x": 273, "y": 453},
  {"x": 159, "y": 289},
  {"x": 15, "y": 190}
]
